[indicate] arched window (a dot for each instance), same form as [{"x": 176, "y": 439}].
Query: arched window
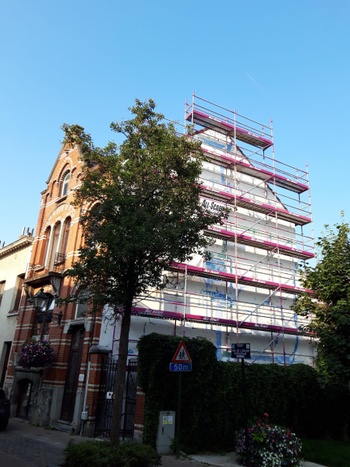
[
  {"x": 65, "y": 183},
  {"x": 44, "y": 246},
  {"x": 55, "y": 243},
  {"x": 66, "y": 227}
]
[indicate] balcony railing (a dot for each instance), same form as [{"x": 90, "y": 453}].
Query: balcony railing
[
  {"x": 39, "y": 270},
  {"x": 60, "y": 258}
]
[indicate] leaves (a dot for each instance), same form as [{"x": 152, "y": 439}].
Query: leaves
[
  {"x": 140, "y": 212},
  {"x": 329, "y": 306},
  {"x": 140, "y": 206}
]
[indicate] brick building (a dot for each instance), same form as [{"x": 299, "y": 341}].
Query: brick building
[{"x": 57, "y": 395}]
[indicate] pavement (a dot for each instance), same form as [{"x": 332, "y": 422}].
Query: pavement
[
  {"x": 25, "y": 445},
  {"x": 225, "y": 460}
]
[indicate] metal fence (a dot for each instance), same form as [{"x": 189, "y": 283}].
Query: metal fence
[{"x": 104, "y": 410}]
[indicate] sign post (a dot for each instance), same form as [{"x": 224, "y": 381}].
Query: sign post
[
  {"x": 242, "y": 351},
  {"x": 181, "y": 362}
]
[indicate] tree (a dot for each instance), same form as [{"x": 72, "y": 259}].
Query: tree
[
  {"x": 328, "y": 305},
  {"x": 141, "y": 212}
]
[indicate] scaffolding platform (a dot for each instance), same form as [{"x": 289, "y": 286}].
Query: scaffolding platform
[
  {"x": 229, "y": 128},
  {"x": 171, "y": 315},
  {"x": 240, "y": 279},
  {"x": 269, "y": 176},
  {"x": 247, "y": 203},
  {"x": 217, "y": 232}
]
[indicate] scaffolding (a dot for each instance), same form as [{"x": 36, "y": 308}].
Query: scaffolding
[{"x": 252, "y": 277}]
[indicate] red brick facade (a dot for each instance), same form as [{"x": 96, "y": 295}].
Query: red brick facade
[{"x": 71, "y": 384}]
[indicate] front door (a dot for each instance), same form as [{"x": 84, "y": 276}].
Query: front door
[
  {"x": 72, "y": 379},
  {"x": 23, "y": 401}
]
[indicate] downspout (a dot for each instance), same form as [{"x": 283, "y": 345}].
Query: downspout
[{"x": 85, "y": 412}]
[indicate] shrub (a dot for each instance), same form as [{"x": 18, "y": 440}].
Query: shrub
[
  {"x": 265, "y": 445},
  {"x": 104, "y": 454},
  {"x": 133, "y": 454},
  {"x": 87, "y": 453}
]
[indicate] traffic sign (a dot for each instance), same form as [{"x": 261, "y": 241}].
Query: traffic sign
[
  {"x": 180, "y": 367},
  {"x": 240, "y": 351},
  {"x": 181, "y": 355}
]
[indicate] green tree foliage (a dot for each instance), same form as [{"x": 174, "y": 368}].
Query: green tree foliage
[
  {"x": 141, "y": 212},
  {"x": 329, "y": 304}
]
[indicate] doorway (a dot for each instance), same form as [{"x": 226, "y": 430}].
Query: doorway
[
  {"x": 23, "y": 401},
  {"x": 73, "y": 371}
]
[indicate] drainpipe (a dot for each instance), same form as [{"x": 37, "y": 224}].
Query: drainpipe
[{"x": 85, "y": 413}]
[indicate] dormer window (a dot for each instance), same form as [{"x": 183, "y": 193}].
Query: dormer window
[{"x": 65, "y": 184}]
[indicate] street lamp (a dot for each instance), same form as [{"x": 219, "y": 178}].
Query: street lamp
[{"x": 42, "y": 302}]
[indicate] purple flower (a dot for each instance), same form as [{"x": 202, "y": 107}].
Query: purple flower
[
  {"x": 268, "y": 445},
  {"x": 36, "y": 354}
]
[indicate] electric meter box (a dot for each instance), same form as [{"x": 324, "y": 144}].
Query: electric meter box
[{"x": 166, "y": 432}]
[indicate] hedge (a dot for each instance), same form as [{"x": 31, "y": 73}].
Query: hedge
[{"x": 212, "y": 398}]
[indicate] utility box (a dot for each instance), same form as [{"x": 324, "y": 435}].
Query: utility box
[{"x": 166, "y": 432}]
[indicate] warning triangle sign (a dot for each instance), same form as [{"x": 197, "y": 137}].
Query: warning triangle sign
[{"x": 181, "y": 355}]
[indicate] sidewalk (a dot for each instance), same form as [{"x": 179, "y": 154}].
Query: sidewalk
[
  {"x": 217, "y": 460},
  {"x": 24, "y": 445},
  {"x": 228, "y": 460}
]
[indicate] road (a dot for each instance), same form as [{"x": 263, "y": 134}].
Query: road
[{"x": 22, "y": 445}]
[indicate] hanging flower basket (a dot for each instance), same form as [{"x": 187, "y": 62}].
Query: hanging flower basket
[{"x": 36, "y": 354}]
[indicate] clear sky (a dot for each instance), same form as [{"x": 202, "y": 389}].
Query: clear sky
[{"x": 85, "y": 62}]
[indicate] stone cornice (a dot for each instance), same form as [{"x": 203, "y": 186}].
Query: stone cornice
[{"x": 23, "y": 242}]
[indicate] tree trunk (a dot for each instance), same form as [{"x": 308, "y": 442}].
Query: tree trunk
[{"x": 121, "y": 372}]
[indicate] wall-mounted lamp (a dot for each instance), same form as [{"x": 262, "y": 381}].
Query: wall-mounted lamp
[{"x": 42, "y": 302}]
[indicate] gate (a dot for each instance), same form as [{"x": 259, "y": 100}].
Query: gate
[{"x": 104, "y": 409}]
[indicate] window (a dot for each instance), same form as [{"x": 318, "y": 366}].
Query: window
[
  {"x": 82, "y": 305},
  {"x": 44, "y": 246},
  {"x": 19, "y": 287},
  {"x": 54, "y": 246},
  {"x": 65, "y": 184},
  {"x": 2, "y": 288},
  {"x": 5, "y": 355},
  {"x": 66, "y": 228},
  {"x": 80, "y": 310}
]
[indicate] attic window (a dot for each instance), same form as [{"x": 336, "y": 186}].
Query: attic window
[{"x": 65, "y": 184}]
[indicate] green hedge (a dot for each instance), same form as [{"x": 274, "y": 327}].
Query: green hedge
[
  {"x": 104, "y": 454},
  {"x": 213, "y": 401}
]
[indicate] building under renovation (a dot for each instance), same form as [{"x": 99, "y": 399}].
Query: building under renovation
[{"x": 244, "y": 292}]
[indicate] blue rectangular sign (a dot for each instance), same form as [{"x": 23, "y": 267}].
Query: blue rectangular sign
[{"x": 180, "y": 366}]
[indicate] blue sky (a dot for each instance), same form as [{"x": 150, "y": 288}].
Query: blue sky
[{"x": 85, "y": 62}]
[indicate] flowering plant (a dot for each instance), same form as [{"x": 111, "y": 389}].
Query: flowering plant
[
  {"x": 265, "y": 445},
  {"x": 36, "y": 354}
]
